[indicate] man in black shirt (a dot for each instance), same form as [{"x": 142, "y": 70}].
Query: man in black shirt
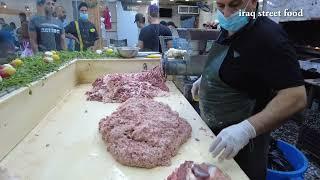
[
  {"x": 149, "y": 35},
  {"x": 250, "y": 85},
  {"x": 140, "y": 21},
  {"x": 83, "y": 31}
]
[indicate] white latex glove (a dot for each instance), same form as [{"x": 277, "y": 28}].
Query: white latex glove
[
  {"x": 232, "y": 139},
  {"x": 195, "y": 89}
]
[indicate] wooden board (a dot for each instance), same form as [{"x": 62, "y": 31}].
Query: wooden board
[
  {"x": 51, "y": 135},
  {"x": 67, "y": 145},
  {"x": 24, "y": 108},
  {"x": 21, "y": 111}
]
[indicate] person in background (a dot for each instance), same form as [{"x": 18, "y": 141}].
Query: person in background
[
  {"x": 13, "y": 26},
  {"x": 7, "y": 46},
  {"x": 140, "y": 21},
  {"x": 13, "y": 30},
  {"x": 164, "y": 23},
  {"x": 173, "y": 28},
  {"x": 46, "y": 32},
  {"x": 22, "y": 32},
  {"x": 104, "y": 32},
  {"x": 2, "y": 22},
  {"x": 83, "y": 31},
  {"x": 61, "y": 15},
  {"x": 149, "y": 35},
  {"x": 8, "y": 35},
  {"x": 4, "y": 25}
]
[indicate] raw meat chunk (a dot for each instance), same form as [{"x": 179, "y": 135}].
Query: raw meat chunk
[{"x": 144, "y": 133}]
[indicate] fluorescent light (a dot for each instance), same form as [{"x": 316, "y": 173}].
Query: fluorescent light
[
  {"x": 187, "y": 0},
  {"x": 154, "y": 2},
  {"x": 139, "y": 1},
  {"x": 171, "y": 0}
]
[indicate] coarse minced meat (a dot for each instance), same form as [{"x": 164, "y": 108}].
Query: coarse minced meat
[
  {"x": 192, "y": 171},
  {"x": 144, "y": 133},
  {"x": 120, "y": 87}
]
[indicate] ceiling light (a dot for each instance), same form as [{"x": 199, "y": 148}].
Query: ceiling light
[
  {"x": 139, "y": 1},
  {"x": 187, "y": 0},
  {"x": 154, "y": 2},
  {"x": 171, "y": 0},
  {"x": 3, "y": 5}
]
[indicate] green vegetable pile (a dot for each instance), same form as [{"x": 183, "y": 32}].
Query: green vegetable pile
[{"x": 34, "y": 68}]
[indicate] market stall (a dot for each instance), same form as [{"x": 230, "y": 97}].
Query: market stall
[{"x": 50, "y": 131}]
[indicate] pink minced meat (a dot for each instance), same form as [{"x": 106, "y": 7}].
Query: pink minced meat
[
  {"x": 120, "y": 87},
  {"x": 144, "y": 133},
  {"x": 191, "y": 171}
]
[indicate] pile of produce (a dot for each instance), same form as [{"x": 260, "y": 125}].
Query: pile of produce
[{"x": 21, "y": 72}]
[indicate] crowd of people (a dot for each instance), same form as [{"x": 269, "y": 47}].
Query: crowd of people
[
  {"x": 149, "y": 34},
  {"x": 48, "y": 30}
]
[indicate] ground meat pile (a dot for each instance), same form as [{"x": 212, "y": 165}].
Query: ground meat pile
[
  {"x": 191, "y": 171},
  {"x": 120, "y": 87},
  {"x": 144, "y": 133}
]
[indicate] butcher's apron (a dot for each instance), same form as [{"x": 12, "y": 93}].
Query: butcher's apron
[{"x": 222, "y": 106}]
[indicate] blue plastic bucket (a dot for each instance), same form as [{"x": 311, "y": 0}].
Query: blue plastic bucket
[{"x": 297, "y": 160}]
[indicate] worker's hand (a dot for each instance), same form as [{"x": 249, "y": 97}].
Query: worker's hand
[
  {"x": 232, "y": 139},
  {"x": 195, "y": 89}
]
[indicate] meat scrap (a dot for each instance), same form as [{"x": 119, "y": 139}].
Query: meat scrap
[
  {"x": 120, "y": 87},
  {"x": 144, "y": 133},
  {"x": 192, "y": 171}
]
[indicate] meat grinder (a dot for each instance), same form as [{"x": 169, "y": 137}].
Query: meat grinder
[{"x": 185, "y": 70}]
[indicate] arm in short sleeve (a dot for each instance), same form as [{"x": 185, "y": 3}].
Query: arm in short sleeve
[{"x": 70, "y": 31}]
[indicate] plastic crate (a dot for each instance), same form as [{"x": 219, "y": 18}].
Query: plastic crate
[{"x": 309, "y": 134}]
